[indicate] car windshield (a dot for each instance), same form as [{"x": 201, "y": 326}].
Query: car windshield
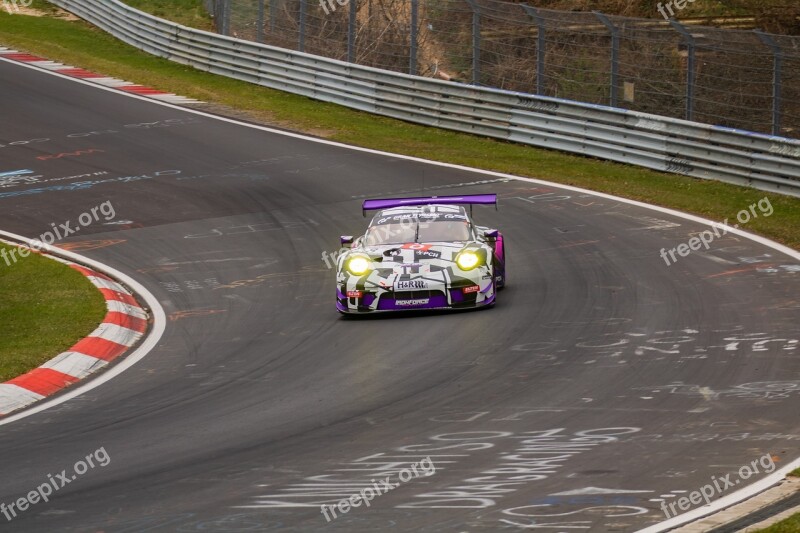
[
  {"x": 443, "y": 230},
  {"x": 416, "y": 230},
  {"x": 391, "y": 233}
]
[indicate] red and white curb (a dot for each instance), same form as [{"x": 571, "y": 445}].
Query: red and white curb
[
  {"x": 123, "y": 326},
  {"x": 98, "y": 79}
]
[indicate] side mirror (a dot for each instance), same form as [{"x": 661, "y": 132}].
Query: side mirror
[
  {"x": 491, "y": 235},
  {"x": 346, "y": 240}
]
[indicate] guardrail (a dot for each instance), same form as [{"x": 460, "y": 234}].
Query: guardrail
[{"x": 660, "y": 143}]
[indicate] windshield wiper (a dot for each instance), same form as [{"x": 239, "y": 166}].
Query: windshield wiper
[{"x": 416, "y": 231}]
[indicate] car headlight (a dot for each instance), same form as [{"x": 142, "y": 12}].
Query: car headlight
[
  {"x": 358, "y": 265},
  {"x": 467, "y": 260}
]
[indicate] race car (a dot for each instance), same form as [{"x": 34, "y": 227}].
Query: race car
[{"x": 421, "y": 253}]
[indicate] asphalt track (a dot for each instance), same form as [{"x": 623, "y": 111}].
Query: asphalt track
[{"x": 632, "y": 380}]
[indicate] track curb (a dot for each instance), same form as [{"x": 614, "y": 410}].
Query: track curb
[
  {"x": 124, "y": 324},
  {"x": 133, "y": 324},
  {"x": 94, "y": 78}
]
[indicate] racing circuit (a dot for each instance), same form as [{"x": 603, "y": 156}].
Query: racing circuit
[{"x": 259, "y": 403}]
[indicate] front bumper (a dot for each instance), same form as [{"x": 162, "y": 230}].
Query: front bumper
[{"x": 381, "y": 300}]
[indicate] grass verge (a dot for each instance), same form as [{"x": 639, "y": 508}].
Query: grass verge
[
  {"x": 790, "y": 525},
  {"x": 45, "y": 307},
  {"x": 80, "y": 44},
  {"x": 187, "y": 12}
]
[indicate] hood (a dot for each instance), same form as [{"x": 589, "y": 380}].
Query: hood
[{"x": 414, "y": 252}]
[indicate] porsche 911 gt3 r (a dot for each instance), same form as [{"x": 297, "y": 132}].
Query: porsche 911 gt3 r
[{"x": 421, "y": 253}]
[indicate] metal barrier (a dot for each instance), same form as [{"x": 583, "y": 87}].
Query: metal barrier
[
  {"x": 748, "y": 80},
  {"x": 660, "y": 143}
]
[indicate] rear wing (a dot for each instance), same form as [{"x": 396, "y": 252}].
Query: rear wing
[{"x": 467, "y": 199}]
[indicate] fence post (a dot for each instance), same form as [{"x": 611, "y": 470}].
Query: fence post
[
  {"x": 689, "y": 40},
  {"x": 540, "y": 47},
  {"x": 777, "y": 79},
  {"x": 412, "y": 54},
  {"x": 301, "y": 39},
  {"x": 614, "y": 55},
  {"x": 224, "y": 17},
  {"x": 217, "y": 6},
  {"x": 351, "y": 33},
  {"x": 476, "y": 42},
  {"x": 272, "y": 16},
  {"x": 260, "y": 32}
]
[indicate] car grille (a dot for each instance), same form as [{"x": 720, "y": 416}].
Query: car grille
[{"x": 414, "y": 295}]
